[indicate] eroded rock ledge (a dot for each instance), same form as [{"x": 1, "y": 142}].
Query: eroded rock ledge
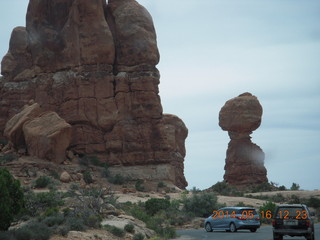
[{"x": 93, "y": 63}]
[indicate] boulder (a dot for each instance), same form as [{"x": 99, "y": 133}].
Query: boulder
[
  {"x": 65, "y": 177},
  {"x": 13, "y": 129},
  {"x": 241, "y": 114},
  {"x": 47, "y": 137}
]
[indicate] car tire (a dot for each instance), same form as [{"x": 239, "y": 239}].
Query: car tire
[
  {"x": 253, "y": 229},
  {"x": 208, "y": 227},
  {"x": 277, "y": 237},
  {"x": 233, "y": 227},
  {"x": 310, "y": 236}
]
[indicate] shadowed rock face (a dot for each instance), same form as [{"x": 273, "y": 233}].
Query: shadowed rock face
[
  {"x": 245, "y": 160},
  {"x": 94, "y": 64}
]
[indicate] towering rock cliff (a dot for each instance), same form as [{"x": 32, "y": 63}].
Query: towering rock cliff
[
  {"x": 93, "y": 63},
  {"x": 245, "y": 160}
]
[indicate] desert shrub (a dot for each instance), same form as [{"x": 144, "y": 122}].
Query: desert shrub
[
  {"x": 51, "y": 221},
  {"x": 139, "y": 213},
  {"x": 138, "y": 236},
  {"x": 313, "y": 202},
  {"x": 8, "y": 235},
  {"x": 75, "y": 224},
  {"x": 201, "y": 204},
  {"x": 36, "y": 231},
  {"x": 8, "y": 158},
  {"x": 267, "y": 207},
  {"x": 282, "y": 188},
  {"x": 87, "y": 177},
  {"x": 11, "y": 198},
  {"x": 63, "y": 230},
  {"x": 42, "y": 182},
  {"x": 153, "y": 205},
  {"x": 139, "y": 185},
  {"x": 295, "y": 187},
  {"x": 278, "y": 198},
  {"x": 225, "y": 189},
  {"x": 36, "y": 203},
  {"x": 195, "y": 190},
  {"x": 294, "y": 199},
  {"x": 242, "y": 204},
  {"x": 105, "y": 173},
  {"x": 117, "y": 179},
  {"x": 263, "y": 187},
  {"x": 115, "y": 230},
  {"x": 161, "y": 185},
  {"x": 54, "y": 174},
  {"x": 129, "y": 228}
]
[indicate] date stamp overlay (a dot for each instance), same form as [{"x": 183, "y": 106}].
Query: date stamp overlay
[{"x": 263, "y": 215}]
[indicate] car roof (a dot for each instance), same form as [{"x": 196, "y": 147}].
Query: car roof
[
  {"x": 291, "y": 205},
  {"x": 238, "y": 208}
]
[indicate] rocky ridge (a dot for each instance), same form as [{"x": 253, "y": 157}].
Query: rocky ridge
[
  {"x": 94, "y": 65},
  {"x": 245, "y": 160}
]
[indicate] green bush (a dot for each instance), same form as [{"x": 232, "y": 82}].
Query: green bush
[
  {"x": 11, "y": 198},
  {"x": 295, "y": 187},
  {"x": 139, "y": 213},
  {"x": 117, "y": 179},
  {"x": 139, "y": 185},
  {"x": 87, "y": 177},
  {"x": 313, "y": 202},
  {"x": 129, "y": 228},
  {"x": 138, "y": 236},
  {"x": 267, "y": 206},
  {"x": 42, "y": 182},
  {"x": 8, "y": 235},
  {"x": 36, "y": 231},
  {"x": 115, "y": 230},
  {"x": 263, "y": 187},
  {"x": 161, "y": 185},
  {"x": 201, "y": 204},
  {"x": 75, "y": 224},
  {"x": 153, "y": 205},
  {"x": 54, "y": 220},
  {"x": 282, "y": 188},
  {"x": 63, "y": 230},
  {"x": 36, "y": 203}
]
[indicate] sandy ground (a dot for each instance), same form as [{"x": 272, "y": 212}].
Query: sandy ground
[{"x": 300, "y": 194}]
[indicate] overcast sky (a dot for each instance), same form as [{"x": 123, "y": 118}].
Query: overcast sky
[{"x": 214, "y": 50}]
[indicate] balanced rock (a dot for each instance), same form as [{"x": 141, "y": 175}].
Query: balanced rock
[
  {"x": 94, "y": 64},
  {"x": 47, "y": 137},
  {"x": 245, "y": 160}
]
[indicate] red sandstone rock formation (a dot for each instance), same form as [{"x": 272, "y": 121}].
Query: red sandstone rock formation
[
  {"x": 94, "y": 64},
  {"x": 245, "y": 160}
]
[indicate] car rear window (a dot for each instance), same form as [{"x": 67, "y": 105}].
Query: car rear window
[
  {"x": 290, "y": 212},
  {"x": 246, "y": 211}
]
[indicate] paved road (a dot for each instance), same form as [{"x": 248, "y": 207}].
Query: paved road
[{"x": 263, "y": 233}]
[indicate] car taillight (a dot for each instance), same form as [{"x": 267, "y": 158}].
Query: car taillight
[
  {"x": 241, "y": 218},
  {"x": 308, "y": 223},
  {"x": 257, "y": 219}
]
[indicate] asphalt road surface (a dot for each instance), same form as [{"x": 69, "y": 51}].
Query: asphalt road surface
[{"x": 263, "y": 233}]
